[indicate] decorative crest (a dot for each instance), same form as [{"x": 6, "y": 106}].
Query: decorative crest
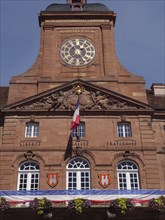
[
  {"x": 29, "y": 155},
  {"x": 104, "y": 179},
  {"x": 78, "y": 89},
  {"x": 52, "y": 179},
  {"x": 79, "y": 151}
]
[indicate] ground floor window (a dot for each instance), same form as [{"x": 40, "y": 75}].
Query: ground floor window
[
  {"x": 28, "y": 176},
  {"x": 128, "y": 176},
  {"x": 78, "y": 174}
]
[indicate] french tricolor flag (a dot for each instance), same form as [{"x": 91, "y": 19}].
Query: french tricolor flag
[{"x": 76, "y": 117}]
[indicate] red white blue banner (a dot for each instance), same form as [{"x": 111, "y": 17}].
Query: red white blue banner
[{"x": 95, "y": 196}]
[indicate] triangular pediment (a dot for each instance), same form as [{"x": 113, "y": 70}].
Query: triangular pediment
[{"x": 91, "y": 98}]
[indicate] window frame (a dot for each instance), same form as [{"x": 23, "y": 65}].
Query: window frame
[
  {"x": 27, "y": 174},
  {"x": 32, "y": 130},
  {"x": 130, "y": 174},
  {"x": 124, "y": 129},
  {"x": 80, "y": 129},
  {"x": 78, "y": 176}
]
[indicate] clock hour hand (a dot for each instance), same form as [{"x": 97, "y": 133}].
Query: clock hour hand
[{"x": 78, "y": 52}]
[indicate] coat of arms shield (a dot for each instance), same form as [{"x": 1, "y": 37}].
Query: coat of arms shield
[
  {"x": 52, "y": 179},
  {"x": 104, "y": 179}
]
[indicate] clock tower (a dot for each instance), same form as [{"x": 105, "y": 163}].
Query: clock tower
[{"x": 77, "y": 42}]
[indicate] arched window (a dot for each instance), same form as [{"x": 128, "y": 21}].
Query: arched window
[
  {"x": 78, "y": 174},
  {"x": 28, "y": 176},
  {"x": 128, "y": 177},
  {"x": 32, "y": 130}
]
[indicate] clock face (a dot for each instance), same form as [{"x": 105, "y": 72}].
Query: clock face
[{"x": 77, "y": 52}]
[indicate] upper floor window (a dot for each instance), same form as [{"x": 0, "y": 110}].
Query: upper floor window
[
  {"x": 124, "y": 130},
  {"x": 128, "y": 177},
  {"x": 28, "y": 176},
  {"x": 78, "y": 174},
  {"x": 79, "y": 131},
  {"x": 32, "y": 129}
]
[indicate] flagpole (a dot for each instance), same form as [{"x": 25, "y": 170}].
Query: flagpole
[
  {"x": 78, "y": 89},
  {"x": 79, "y": 123}
]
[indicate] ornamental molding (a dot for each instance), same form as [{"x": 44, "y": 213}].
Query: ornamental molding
[
  {"x": 128, "y": 155},
  {"x": 28, "y": 155},
  {"x": 91, "y": 98},
  {"x": 79, "y": 152}
]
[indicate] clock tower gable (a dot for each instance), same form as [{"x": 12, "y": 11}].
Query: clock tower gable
[{"x": 77, "y": 44}]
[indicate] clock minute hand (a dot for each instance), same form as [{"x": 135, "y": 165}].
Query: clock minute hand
[{"x": 82, "y": 57}]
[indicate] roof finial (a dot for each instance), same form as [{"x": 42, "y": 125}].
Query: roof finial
[{"x": 77, "y": 5}]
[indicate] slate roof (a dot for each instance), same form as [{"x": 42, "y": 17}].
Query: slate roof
[
  {"x": 158, "y": 102},
  {"x": 87, "y": 7}
]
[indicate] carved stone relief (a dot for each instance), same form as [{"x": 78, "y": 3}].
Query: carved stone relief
[
  {"x": 89, "y": 99},
  {"x": 78, "y": 151}
]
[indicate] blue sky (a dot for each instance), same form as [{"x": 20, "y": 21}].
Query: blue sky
[{"x": 139, "y": 36}]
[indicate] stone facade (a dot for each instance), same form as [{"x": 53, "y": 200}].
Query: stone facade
[{"x": 110, "y": 94}]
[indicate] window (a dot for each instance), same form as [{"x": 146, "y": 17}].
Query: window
[
  {"x": 32, "y": 130},
  {"x": 28, "y": 176},
  {"x": 79, "y": 132},
  {"x": 124, "y": 130},
  {"x": 78, "y": 174},
  {"x": 128, "y": 177}
]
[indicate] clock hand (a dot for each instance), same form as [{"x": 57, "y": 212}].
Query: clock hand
[
  {"x": 82, "y": 57},
  {"x": 78, "y": 52}
]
